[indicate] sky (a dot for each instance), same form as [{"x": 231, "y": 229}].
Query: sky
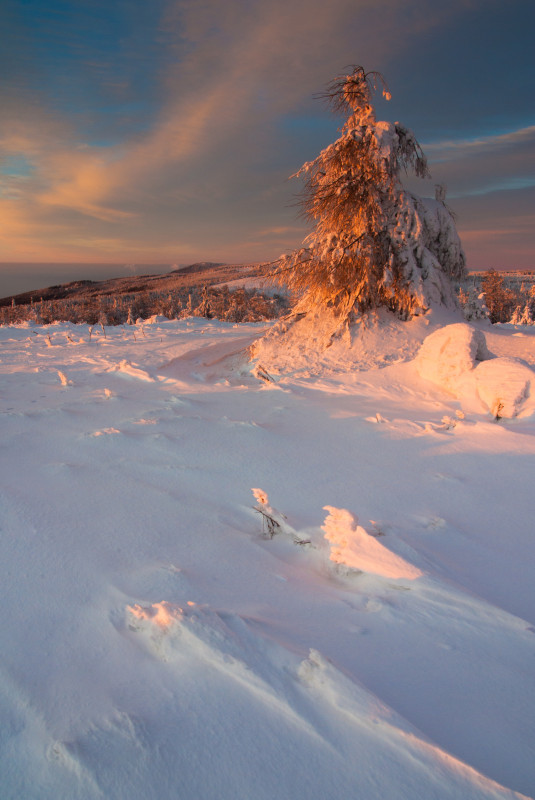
[{"x": 136, "y": 133}]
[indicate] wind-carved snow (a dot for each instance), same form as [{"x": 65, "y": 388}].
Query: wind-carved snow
[
  {"x": 63, "y": 378},
  {"x": 314, "y": 344},
  {"x": 155, "y": 644},
  {"x": 325, "y": 712},
  {"x": 161, "y": 614},
  {"x": 133, "y": 370},
  {"x": 353, "y": 546}
]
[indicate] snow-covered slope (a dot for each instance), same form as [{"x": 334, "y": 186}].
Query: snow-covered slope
[{"x": 158, "y": 642}]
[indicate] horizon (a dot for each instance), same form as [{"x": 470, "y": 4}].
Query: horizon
[
  {"x": 103, "y": 271},
  {"x": 167, "y": 133}
]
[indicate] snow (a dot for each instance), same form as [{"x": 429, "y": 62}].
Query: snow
[
  {"x": 354, "y": 547},
  {"x": 456, "y": 357},
  {"x": 315, "y": 345},
  {"x": 450, "y": 352},
  {"x": 505, "y": 386},
  {"x": 158, "y": 641}
]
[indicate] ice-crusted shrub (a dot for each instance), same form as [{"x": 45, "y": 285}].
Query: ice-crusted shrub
[
  {"x": 271, "y": 519},
  {"x": 274, "y": 521}
]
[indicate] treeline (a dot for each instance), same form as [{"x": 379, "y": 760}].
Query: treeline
[
  {"x": 501, "y": 298},
  {"x": 509, "y": 298},
  {"x": 237, "y": 305}
]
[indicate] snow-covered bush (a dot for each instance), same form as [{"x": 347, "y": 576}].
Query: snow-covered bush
[
  {"x": 504, "y": 385},
  {"x": 449, "y": 352},
  {"x": 456, "y": 358},
  {"x": 472, "y": 303}
]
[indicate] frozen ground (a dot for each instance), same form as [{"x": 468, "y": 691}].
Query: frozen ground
[{"x": 156, "y": 643}]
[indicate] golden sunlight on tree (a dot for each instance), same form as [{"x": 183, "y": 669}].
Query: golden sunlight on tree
[{"x": 374, "y": 243}]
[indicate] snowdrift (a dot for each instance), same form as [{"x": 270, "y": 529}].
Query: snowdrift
[
  {"x": 353, "y": 546},
  {"x": 314, "y": 343},
  {"x": 456, "y": 358}
]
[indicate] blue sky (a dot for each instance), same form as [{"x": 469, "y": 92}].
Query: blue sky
[{"x": 142, "y": 132}]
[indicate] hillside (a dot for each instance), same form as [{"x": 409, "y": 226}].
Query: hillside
[
  {"x": 231, "y": 292},
  {"x": 195, "y": 275}
]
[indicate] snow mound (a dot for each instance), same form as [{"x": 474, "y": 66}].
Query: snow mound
[
  {"x": 161, "y": 614},
  {"x": 156, "y": 319},
  {"x": 449, "y": 352},
  {"x": 456, "y": 358},
  {"x": 316, "y": 344},
  {"x": 133, "y": 370},
  {"x": 353, "y": 546},
  {"x": 504, "y": 385}
]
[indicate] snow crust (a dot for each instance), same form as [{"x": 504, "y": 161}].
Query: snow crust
[{"x": 158, "y": 641}]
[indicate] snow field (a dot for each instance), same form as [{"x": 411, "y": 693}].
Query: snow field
[{"x": 158, "y": 643}]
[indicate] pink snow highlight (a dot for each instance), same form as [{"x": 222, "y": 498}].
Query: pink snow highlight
[
  {"x": 162, "y": 614},
  {"x": 352, "y": 546}
]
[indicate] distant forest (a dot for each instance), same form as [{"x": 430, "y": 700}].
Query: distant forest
[{"x": 501, "y": 297}]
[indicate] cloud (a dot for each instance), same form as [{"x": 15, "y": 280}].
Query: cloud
[
  {"x": 483, "y": 165},
  {"x": 453, "y": 149},
  {"x": 238, "y": 66},
  {"x": 205, "y": 173}
]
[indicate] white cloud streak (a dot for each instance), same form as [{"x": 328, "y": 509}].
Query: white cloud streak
[{"x": 473, "y": 167}]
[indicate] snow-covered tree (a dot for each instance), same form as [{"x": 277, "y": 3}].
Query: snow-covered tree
[
  {"x": 499, "y": 299},
  {"x": 522, "y": 316},
  {"x": 472, "y": 303},
  {"x": 374, "y": 243}
]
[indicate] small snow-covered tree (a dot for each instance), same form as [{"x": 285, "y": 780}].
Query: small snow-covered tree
[
  {"x": 374, "y": 243},
  {"x": 499, "y": 299}
]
